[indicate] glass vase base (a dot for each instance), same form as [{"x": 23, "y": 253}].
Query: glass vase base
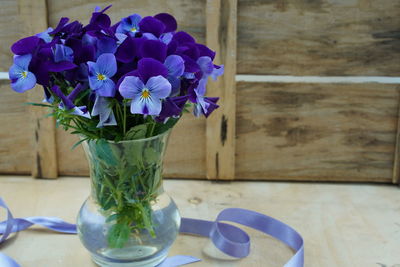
[{"x": 150, "y": 261}]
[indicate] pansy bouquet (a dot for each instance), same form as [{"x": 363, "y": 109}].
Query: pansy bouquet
[
  {"x": 104, "y": 80},
  {"x": 121, "y": 87}
]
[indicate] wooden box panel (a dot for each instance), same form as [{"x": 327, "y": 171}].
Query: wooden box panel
[
  {"x": 341, "y": 132},
  {"x": 325, "y": 37},
  {"x": 15, "y": 132}
]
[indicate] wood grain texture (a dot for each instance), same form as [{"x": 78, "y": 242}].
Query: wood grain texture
[
  {"x": 190, "y": 14},
  {"x": 220, "y": 134},
  {"x": 34, "y": 15},
  {"x": 11, "y": 29},
  {"x": 348, "y": 225},
  {"x": 322, "y": 37},
  {"x": 396, "y": 162},
  {"x": 340, "y": 132},
  {"x": 185, "y": 156},
  {"x": 15, "y": 132}
]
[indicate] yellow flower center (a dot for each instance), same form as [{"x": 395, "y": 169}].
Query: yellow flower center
[
  {"x": 24, "y": 74},
  {"x": 145, "y": 93},
  {"x": 101, "y": 77},
  {"x": 133, "y": 29}
]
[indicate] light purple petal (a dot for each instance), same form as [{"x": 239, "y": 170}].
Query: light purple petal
[
  {"x": 130, "y": 87},
  {"x": 201, "y": 87},
  {"x": 106, "y": 45},
  {"x": 145, "y": 106},
  {"x": 206, "y": 65},
  {"x": 159, "y": 87},
  {"x": 100, "y": 105},
  {"x": 107, "y": 64},
  {"x": 23, "y": 84},
  {"x": 166, "y": 37},
  {"x": 107, "y": 88},
  {"x": 175, "y": 65},
  {"x": 81, "y": 111},
  {"x": 175, "y": 85},
  {"x": 45, "y": 36},
  {"x": 149, "y": 36},
  {"x": 217, "y": 72},
  {"x": 63, "y": 53},
  {"x": 23, "y": 61}
]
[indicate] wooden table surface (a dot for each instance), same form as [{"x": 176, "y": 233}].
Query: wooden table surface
[{"x": 342, "y": 224}]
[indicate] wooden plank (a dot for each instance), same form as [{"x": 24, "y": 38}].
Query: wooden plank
[
  {"x": 344, "y": 221},
  {"x": 220, "y": 135},
  {"x": 34, "y": 15},
  {"x": 185, "y": 156},
  {"x": 189, "y": 14},
  {"x": 328, "y": 38},
  {"x": 15, "y": 139},
  {"x": 396, "y": 163},
  {"x": 321, "y": 132},
  {"x": 10, "y": 31}
]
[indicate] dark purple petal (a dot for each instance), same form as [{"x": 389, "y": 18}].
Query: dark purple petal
[
  {"x": 79, "y": 88},
  {"x": 152, "y": 25},
  {"x": 148, "y": 67},
  {"x": 183, "y": 38},
  {"x": 106, "y": 45},
  {"x": 168, "y": 20},
  {"x": 25, "y": 46},
  {"x": 205, "y": 51},
  {"x": 60, "y": 25},
  {"x": 129, "y": 49},
  {"x": 154, "y": 49},
  {"x": 74, "y": 28},
  {"x": 192, "y": 51},
  {"x": 60, "y": 66},
  {"x": 171, "y": 107},
  {"x": 67, "y": 102},
  {"x": 212, "y": 101},
  {"x": 190, "y": 64},
  {"x": 172, "y": 46}
]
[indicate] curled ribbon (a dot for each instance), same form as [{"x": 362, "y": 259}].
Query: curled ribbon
[{"x": 230, "y": 239}]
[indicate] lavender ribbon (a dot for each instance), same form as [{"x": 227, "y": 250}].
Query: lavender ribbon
[{"x": 230, "y": 239}]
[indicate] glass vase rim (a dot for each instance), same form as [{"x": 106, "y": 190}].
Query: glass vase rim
[{"x": 134, "y": 140}]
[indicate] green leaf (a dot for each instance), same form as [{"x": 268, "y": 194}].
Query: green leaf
[
  {"x": 38, "y": 104},
  {"x": 118, "y": 235},
  {"x": 78, "y": 143},
  {"x": 136, "y": 132},
  {"x": 112, "y": 218},
  {"x": 151, "y": 156}
]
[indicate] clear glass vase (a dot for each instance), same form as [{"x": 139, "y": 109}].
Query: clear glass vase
[{"x": 128, "y": 220}]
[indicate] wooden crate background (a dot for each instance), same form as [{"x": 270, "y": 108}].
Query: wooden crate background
[{"x": 263, "y": 130}]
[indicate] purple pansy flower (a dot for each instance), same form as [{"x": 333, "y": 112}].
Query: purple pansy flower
[
  {"x": 100, "y": 74},
  {"x": 146, "y": 98},
  {"x": 129, "y": 25},
  {"x": 101, "y": 107},
  {"x": 175, "y": 66},
  {"x": 171, "y": 107},
  {"x": 63, "y": 53},
  {"x": 208, "y": 68},
  {"x": 21, "y": 78},
  {"x": 203, "y": 105}
]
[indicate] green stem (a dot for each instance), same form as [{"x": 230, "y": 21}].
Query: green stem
[{"x": 124, "y": 120}]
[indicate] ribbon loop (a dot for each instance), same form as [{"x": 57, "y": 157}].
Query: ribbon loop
[{"x": 230, "y": 239}]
